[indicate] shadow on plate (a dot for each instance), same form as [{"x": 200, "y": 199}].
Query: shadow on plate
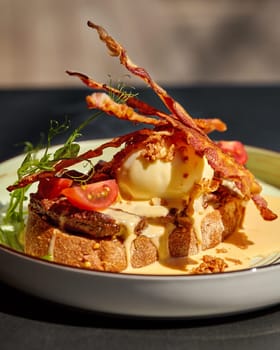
[{"x": 20, "y": 304}]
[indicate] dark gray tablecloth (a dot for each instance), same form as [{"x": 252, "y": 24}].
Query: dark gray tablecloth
[{"x": 252, "y": 115}]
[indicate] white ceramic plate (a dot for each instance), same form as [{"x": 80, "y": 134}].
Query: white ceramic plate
[{"x": 146, "y": 295}]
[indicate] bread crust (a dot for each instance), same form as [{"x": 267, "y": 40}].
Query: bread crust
[
  {"x": 214, "y": 227},
  {"x": 42, "y": 239},
  {"x": 143, "y": 252}
]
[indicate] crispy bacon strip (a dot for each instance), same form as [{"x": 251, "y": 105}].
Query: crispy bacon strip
[
  {"x": 207, "y": 125},
  {"x": 103, "y": 102},
  {"x": 115, "y": 49},
  {"x": 132, "y": 101},
  {"x": 193, "y": 131},
  {"x": 181, "y": 120},
  {"x": 64, "y": 163},
  {"x": 261, "y": 203},
  {"x": 222, "y": 163}
]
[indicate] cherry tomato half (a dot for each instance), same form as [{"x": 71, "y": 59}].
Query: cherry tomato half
[
  {"x": 236, "y": 149},
  {"x": 95, "y": 196},
  {"x": 51, "y": 187}
]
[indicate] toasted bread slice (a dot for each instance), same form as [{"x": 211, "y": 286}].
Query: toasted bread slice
[
  {"x": 215, "y": 225},
  {"x": 42, "y": 239}
]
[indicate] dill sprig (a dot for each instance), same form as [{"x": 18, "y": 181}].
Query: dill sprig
[{"x": 124, "y": 94}]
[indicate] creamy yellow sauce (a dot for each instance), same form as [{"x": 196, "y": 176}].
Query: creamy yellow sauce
[{"x": 257, "y": 239}]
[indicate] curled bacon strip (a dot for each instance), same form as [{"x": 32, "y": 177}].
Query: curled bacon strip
[
  {"x": 115, "y": 49},
  {"x": 64, "y": 163},
  {"x": 209, "y": 125},
  {"x": 194, "y": 131},
  {"x": 206, "y": 125},
  {"x": 104, "y": 103},
  {"x": 222, "y": 163},
  {"x": 131, "y": 101},
  {"x": 261, "y": 203}
]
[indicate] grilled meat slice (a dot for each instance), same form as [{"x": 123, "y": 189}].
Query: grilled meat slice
[
  {"x": 63, "y": 215},
  {"x": 66, "y": 217}
]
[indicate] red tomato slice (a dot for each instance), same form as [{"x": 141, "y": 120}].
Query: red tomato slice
[
  {"x": 95, "y": 196},
  {"x": 51, "y": 187},
  {"x": 236, "y": 149}
]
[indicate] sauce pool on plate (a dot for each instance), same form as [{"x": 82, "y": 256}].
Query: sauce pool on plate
[{"x": 256, "y": 242}]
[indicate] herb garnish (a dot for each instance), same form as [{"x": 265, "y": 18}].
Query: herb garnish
[
  {"x": 12, "y": 222},
  {"x": 40, "y": 158}
]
